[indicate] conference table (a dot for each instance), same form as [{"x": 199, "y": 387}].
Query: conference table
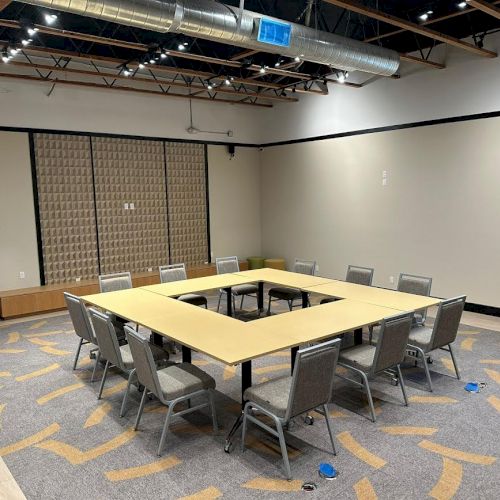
[{"x": 233, "y": 342}]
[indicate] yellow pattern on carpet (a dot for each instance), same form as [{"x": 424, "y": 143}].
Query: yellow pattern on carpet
[
  {"x": 13, "y": 337},
  {"x": 493, "y": 374},
  {"x": 432, "y": 399},
  {"x": 30, "y": 440},
  {"x": 495, "y": 402},
  {"x": 97, "y": 415},
  {"x": 456, "y": 454},
  {"x": 5, "y": 374},
  {"x": 38, "y": 324},
  {"x": 11, "y": 351},
  {"x": 38, "y": 373},
  {"x": 269, "y": 484},
  {"x": 207, "y": 494},
  {"x": 364, "y": 490},
  {"x": 272, "y": 368},
  {"x": 229, "y": 372},
  {"x": 359, "y": 451},
  {"x": 449, "y": 482},
  {"x": 404, "y": 430},
  {"x": 52, "y": 350},
  {"x": 467, "y": 344},
  {"x": 490, "y": 361},
  {"x": 59, "y": 392},
  {"x": 114, "y": 389},
  {"x": 143, "y": 470},
  {"x": 42, "y": 342}
]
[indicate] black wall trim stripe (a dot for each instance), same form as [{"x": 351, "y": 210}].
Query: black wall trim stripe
[
  {"x": 166, "y": 201},
  {"x": 426, "y": 123},
  {"x": 95, "y": 206},
  {"x": 389, "y": 128},
  {"x": 482, "y": 309},
  {"x": 207, "y": 192},
  {"x": 36, "y": 205}
]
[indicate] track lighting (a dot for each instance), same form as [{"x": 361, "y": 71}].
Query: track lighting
[
  {"x": 296, "y": 59},
  {"x": 126, "y": 71},
  {"x": 5, "y": 56},
  {"x": 152, "y": 61},
  {"x": 425, "y": 15},
  {"x": 50, "y": 18},
  {"x": 26, "y": 41},
  {"x": 262, "y": 70},
  {"x": 163, "y": 55},
  {"x": 462, "y": 5},
  {"x": 227, "y": 81},
  {"x": 278, "y": 63},
  {"x": 13, "y": 51},
  {"x": 342, "y": 76},
  {"x": 31, "y": 30},
  {"x": 141, "y": 66}
]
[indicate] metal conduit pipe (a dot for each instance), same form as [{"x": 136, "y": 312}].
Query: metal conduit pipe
[{"x": 218, "y": 22}]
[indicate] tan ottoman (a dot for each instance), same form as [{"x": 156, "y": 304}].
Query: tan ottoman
[{"x": 275, "y": 264}]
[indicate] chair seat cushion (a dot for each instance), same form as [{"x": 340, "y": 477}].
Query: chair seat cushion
[
  {"x": 284, "y": 293},
  {"x": 272, "y": 395},
  {"x": 244, "y": 289},
  {"x": 182, "y": 379},
  {"x": 360, "y": 357},
  {"x": 193, "y": 298},
  {"x": 420, "y": 337},
  {"x": 158, "y": 355}
]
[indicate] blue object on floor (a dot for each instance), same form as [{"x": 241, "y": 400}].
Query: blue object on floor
[
  {"x": 327, "y": 471},
  {"x": 472, "y": 387}
]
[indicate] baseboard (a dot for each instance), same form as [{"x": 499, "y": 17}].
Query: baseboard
[{"x": 482, "y": 309}]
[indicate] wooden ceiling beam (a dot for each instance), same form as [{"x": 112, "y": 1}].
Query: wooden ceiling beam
[
  {"x": 4, "y": 4},
  {"x": 128, "y": 89},
  {"x": 244, "y": 54},
  {"x": 432, "y": 20},
  {"x": 409, "y": 26},
  {"x": 418, "y": 60},
  {"x": 486, "y": 7}
]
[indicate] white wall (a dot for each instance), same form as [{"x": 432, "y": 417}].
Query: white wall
[
  {"x": 18, "y": 246},
  {"x": 25, "y": 104},
  {"x": 470, "y": 84},
  {"x": 235, "y": 205},
  {"x": 438, "y": 215}
]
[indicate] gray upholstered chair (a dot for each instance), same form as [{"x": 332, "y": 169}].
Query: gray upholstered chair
[
  {"x": 83, "y": 328},
  {"x": 114, "y": 354},
  {"x": 291, "y": 294},
  {"x": 355, "y": 274},
  {"x": 226, "y": 265},
  {"x": 368, "y": 361},
  {"x": 310, "y": 387},
  {"x": 171, "y": 385},
  {"x": 409, "y": 283},
  {"x": 113, "y": 283},
  {"x": 423, "y": 340},
  {"x": 177, "y": 272}
]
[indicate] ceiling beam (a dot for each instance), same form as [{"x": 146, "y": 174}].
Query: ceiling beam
[
  {"x": 129, "y": 89},
  {"x": 409, "y": 26},
  {"x": 150, "y": 81},
  {"x": 432, "y": 20},
  {"x": 4, "y": 4},
  {"x": 244, "y": 54},
  {"x": 418, "y": 60},
  {"x": 486, "y": 7}
]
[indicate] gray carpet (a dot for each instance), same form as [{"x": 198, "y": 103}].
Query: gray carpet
[{"x": 70, "y": 445}]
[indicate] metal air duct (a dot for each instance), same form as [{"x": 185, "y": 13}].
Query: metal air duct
[{"x": 218, "y": 22}]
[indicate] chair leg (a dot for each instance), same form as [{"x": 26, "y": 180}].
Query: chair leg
[
  {"x": 284, "y": 451},
  {"x": 290, "y": 305},
  {"x": 234, "y": 306},
  {"x": 454, "y": 362},
  {"x": 77, "y": 353},
  {"x": 125, "y": 397},
  {"x": 212, "y": 408},
  {"x": 426, "y": 368},
  {"x": 141, "y": 408},
  {"x": 269, "y": 306},
  {"x": 104, "y": 375},
  {"x": 241, "y": 303},
  {"x": 165, "y": 429},
  {"x": 325, "y": 409},
  {"x": 97, "y": 359},
  {"x": 369, "y": 395},
  {"x": 218, "y": 303},
  {"x": 244, "y": 427},
  {"x": 370, "y": 334},
  {"x": 402, "y": 383}
]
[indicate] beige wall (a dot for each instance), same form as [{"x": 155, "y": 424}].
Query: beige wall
[
  {"x": 235, "y": 207},
  {"x": 18, "y": 246},
  {"x": 438, "y": 215}
]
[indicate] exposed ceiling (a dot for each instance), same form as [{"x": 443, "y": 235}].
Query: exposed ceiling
[{"x": 81, "y": 51}]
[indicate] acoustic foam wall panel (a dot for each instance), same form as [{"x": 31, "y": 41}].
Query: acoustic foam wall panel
[
  {"x": 130, "y": 171},
  {"x": 187, "y": 202},
  {"x": 66, "y": 205}
]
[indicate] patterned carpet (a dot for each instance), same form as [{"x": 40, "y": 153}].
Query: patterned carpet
[{"x": 59, "y": 441}]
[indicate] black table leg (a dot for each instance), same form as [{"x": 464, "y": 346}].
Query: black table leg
[
  {"x": 305, "y": 300},
  {"x": 246, "y": 382},
  {"x": 157, "y": 339},
  {"x": 260, "y": 297},
  {"x": 229, "y": 297},
  {"x": 358, "y": 336},
  {"x": 293, "y": 355},
  {"x": 186, "y": 354}
]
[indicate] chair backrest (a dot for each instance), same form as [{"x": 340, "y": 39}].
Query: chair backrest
[
  {"x": 305, "y": 266},
  {"x": 359, "y": 275},
  {"x": 106, "y": 338},
  {"x": 392, "y": 341},
  {"x": 447, "y": 321},
  {"x": 226, "y": 265},
  {"x": 173, "y": 272},
  {"x": 418, "y": 285},
  {"x": 114, "y": 282},
  {"x": 144, "y": 363},
  {"x": 79, "y": 317},
  {"x": 312, "y": 379}
]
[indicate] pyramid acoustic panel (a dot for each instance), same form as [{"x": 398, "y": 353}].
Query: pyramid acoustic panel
[
  {"x": 66, "y": 207},
  {"x": 187, "y": 202},
  {"x": 130, "y": 173}
]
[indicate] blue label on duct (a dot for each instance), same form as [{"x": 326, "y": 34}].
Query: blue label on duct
[{"x": 274, "y": 32}]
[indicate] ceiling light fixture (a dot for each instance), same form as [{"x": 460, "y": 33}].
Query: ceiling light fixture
[
  {"x": 425, "y": 15},
  {"x": 141, "y": 66},
  {"x": 5, "y": 56},
  {"x": 163, "y": 55},
  {"x": 262, "y": 70},
  {"x": 31, "y": 30},
  {"x": 342, "y": 76},
  {"x": 26, "y": 41},
  {"x": 13, "y": 51},
  {"x": 296, "y": 59},
  {"x": 462, "y": 5},
  {"x": 50, "y": 18}
]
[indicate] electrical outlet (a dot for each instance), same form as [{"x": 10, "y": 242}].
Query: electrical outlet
[
  {"x": 78, "y": 279},
  {"x": 150, "y": 269},
  {"x": 22, "y": 275},
  {"x": 125, "y": 206},
  {"x": 131, "y": 206},
  {"x": 391, "y": 280}
]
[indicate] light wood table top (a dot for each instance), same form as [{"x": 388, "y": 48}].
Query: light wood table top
[
  {"x": 327, "y": 320},
  {"x": 197, "y": 284},
  {"x": 284, "y": 278},
  {"x": 373, "y": 295},
  {"x": 221, "y": 337}
]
